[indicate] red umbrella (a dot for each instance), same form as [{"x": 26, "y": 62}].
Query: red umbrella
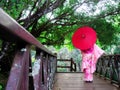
[{"x": 84, "y": 38}]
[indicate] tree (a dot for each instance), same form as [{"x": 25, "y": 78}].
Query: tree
[{"x": 54, "y": 21}]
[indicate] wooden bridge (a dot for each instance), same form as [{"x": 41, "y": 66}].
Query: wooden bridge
[
  {"x": 74, "y": 81},
  {"x": 46, "y": 76}
]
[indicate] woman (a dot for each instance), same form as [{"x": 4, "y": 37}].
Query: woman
[
  {"x": 89, "y": 60},
  {"x": 84, "y": 38}
]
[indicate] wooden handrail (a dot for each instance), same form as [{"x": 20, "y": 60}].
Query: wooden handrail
[
  {"x": 71, "y": 67},
  {"x": 17, "y": 33},
  {"x": 43, "y": 71},
  {"x": 108, "y": 67}
]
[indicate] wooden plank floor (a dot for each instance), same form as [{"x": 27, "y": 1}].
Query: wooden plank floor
[{"x": 74, "y": 81}]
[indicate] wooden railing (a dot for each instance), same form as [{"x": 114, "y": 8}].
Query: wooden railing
[
  {"x": 108, "y": 67},
  {"x": 68, "y": 64},
  {"x": 24, "y": 75}
]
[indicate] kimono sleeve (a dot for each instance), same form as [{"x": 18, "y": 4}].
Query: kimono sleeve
[{"x": 97, "y": 52}]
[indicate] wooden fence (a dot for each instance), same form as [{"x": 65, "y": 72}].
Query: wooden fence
[
  {"x": 108, "y": 67},
  {"x": 68, "y": 64},
  {"x": 24, "y": 75}
]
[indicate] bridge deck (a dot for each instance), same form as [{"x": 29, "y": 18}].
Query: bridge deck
[{"x": 74, "y": 81}]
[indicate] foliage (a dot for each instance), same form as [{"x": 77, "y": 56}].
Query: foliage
[
  {"x": 76, "y": 55},
  {"x": 1, "y": 87},
  {"x": 117, "y": 50},
  {"x": 3, "y": 81},
  {"x": 106, "y": 32},
  {"x": 53, "y": 22},
  {"x": 63, "y": 64},
  {"x": 63, "y": 53}
]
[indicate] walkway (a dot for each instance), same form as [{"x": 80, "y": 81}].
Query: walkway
[{"x": 74, "y": 81}]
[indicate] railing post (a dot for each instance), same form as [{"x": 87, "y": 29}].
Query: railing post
[
  {"x": 55, "y": 62},
  {"x": 38, "y": 71},
  {"x": 75, "y": 67},
  {"x": 18, "y": 79},
  {"x": 45, "y": 70},
  {"x": 71, "y": 66},
  {"x": 31, "y": 82},
  {"x": 117, "y": 59}
]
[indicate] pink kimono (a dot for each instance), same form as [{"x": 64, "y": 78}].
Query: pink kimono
[{"x": 89, "y": 60}]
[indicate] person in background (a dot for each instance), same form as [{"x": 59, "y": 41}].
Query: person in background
[
  {"x": 89, "y": 60},
  {"x": 84, "y": 38}
]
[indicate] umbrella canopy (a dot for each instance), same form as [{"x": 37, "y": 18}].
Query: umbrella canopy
[{"x": 84, "y": 37}]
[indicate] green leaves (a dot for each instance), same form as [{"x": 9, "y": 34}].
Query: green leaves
[
  {"x": 1, "y": 87},
  {"x": 53, "y": 22},
  {"x": 105, "y": 31}
]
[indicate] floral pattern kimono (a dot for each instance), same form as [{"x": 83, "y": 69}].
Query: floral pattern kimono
[{"x": 89, "y": 60}]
